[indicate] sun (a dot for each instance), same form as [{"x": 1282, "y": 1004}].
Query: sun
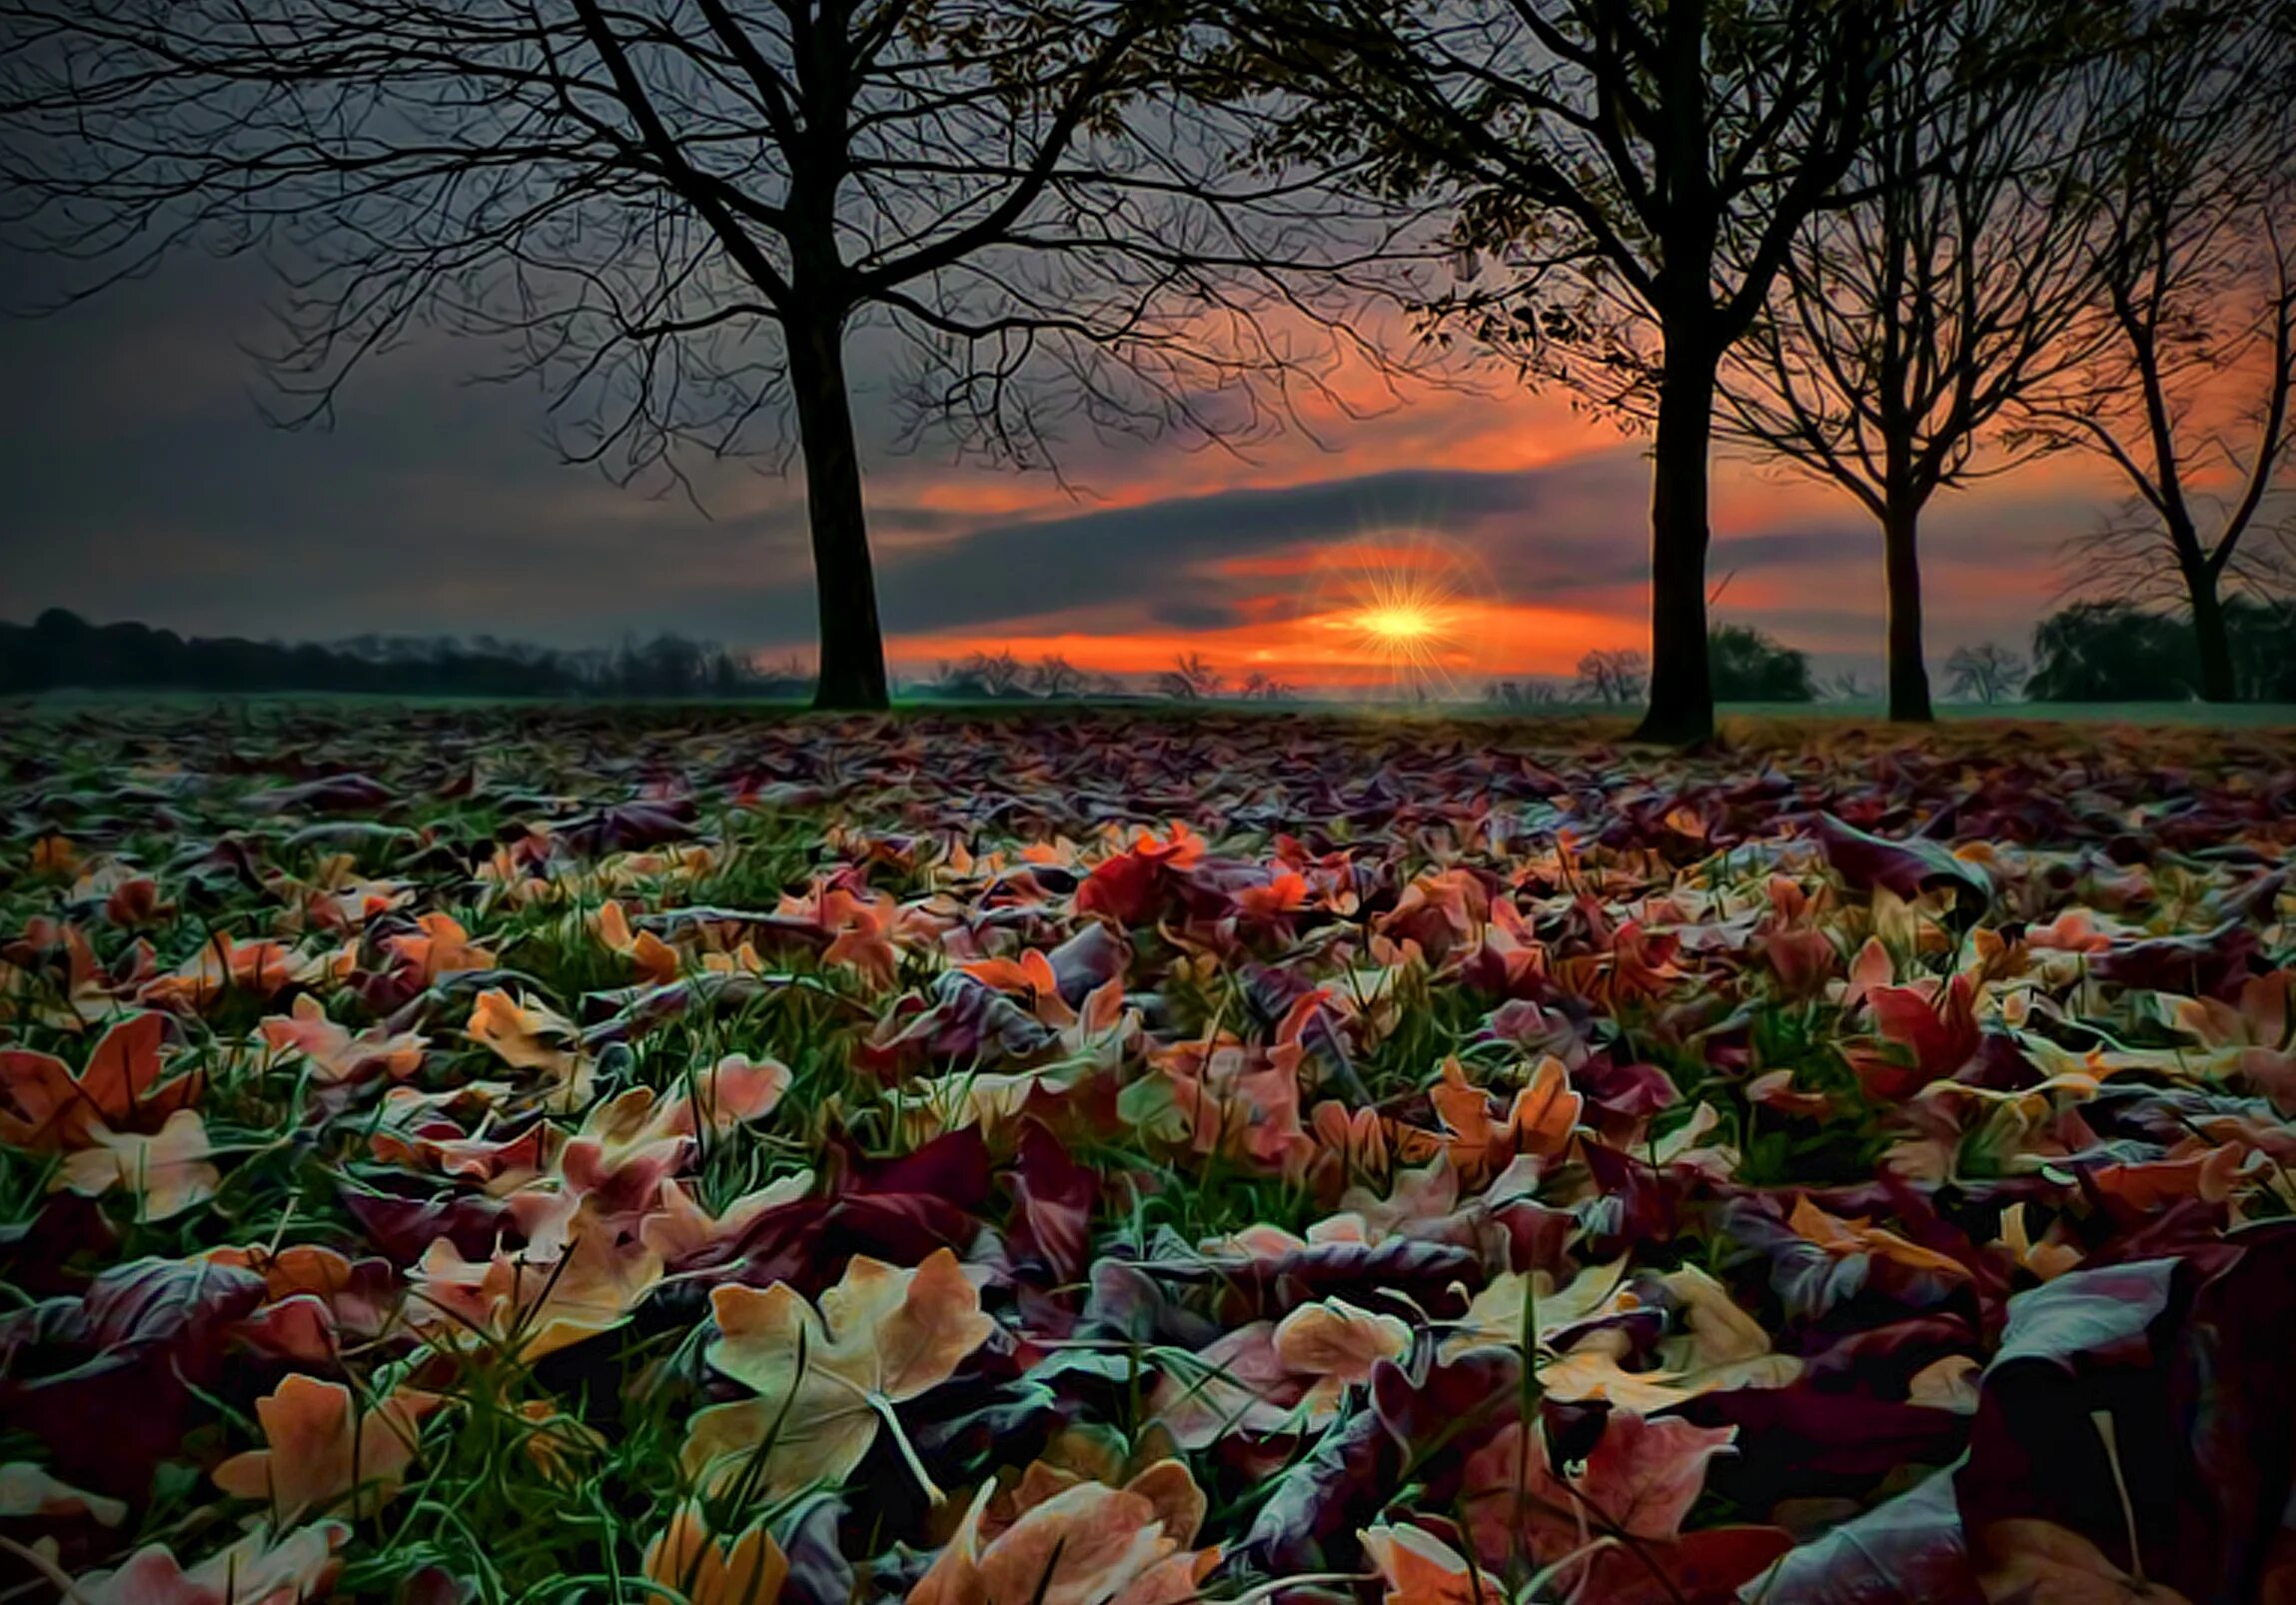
[
  {"x": 1399, "y": 612},
  {"x": 1406, "y": 620}
]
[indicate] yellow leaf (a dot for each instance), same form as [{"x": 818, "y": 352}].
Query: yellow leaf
[{"x": 828, "y": 1381}]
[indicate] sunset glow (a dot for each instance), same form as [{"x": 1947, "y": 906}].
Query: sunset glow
[{"x": 1402, "y": 625}]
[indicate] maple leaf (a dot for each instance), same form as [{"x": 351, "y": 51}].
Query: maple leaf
[
  {"x": 166, "y": 1174},
  {"x": 1844, "y": 1239},
  {"x": 1087, "y": 1544},
  {"x": 2034, "y": 1562},
  {"x": 359, "y": 1295},
  {"x": 28, "y": 1490},
  {"x": 1938, "y": 1031},
  {"x": 322, "y": 1449},
  {"x": 676, "y": 1226},
  {"x": 1419, "y": 1568},
  {"x": 1336, "y": 1345},
  {"x": 1538, "y": 1121},
  {"x": 1236, "y": 1384},
  {"x": 1222, "y": 1096},
  {"x": 260, "y": 1569},
  {"x": 438, "y": 946},
  {"x": 45, "y": 1107},
  {"x": 532, "y": 1303},
  {"x": 223, "y": 965},
  {"x": 828, "y": 1381},
  {"x": 706, "y": 1570},
  {"x": 1639, "y": 1479},
  {"x": 1723, "y": 1347},
  {"x": 658, "y": 962},
  {"x": 2046, "y": 1260},
  {"x": 528, "y": 1037},
  {"x": 334, "y": 1053}
]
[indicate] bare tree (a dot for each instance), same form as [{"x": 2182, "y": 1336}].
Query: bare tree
[
  {"x": 1614, "y": 678},
  {"x": 1521, "y": 693},
  {"x": 1905, "y": 324},
  {"x": 2191, "y": 391},
  {"x": 1626, "y": 180},
  {"x": 999, "y": 674},
  {"x": 676, "y": 215},
  {"x": 1055, "y": 676},
  {"x": 1191, "y": 679},
  {"x": 1988, "y": 673},
  {"x": 1260, "y": 687}
]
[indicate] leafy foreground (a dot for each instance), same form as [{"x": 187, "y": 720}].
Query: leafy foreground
[{"x": 547, "y": 1156}]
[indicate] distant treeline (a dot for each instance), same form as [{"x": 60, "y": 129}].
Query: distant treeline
[
  {"x": 2091, "y": 652},
  {"x": 2118, "y": 652},
  {"x": 60, "y": 649}
]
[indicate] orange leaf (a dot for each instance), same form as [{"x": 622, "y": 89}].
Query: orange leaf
[
  {"x": 322, "y": 1450},
  {"x": 707, "y": 1571}
]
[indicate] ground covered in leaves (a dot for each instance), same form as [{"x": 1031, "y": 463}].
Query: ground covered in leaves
[{"x": 505, "y": 1154}]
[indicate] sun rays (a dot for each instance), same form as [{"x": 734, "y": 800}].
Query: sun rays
[{"x": 1404, "y": 611}]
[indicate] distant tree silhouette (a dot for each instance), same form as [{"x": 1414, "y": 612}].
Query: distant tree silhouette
[
  {"x": 1614, "y": 678},
  {"x": 60, "y": 649},
  {"x": 985, "y": 676},
  {"x": 1521, "y": 693},
  {"x": 1055, "y": 676},
  {"x": 2120, "y": 651},
  {"x": 675, "y": 215},
  {"x": 1988, "y": 672},
  {"x": 2112, "y": 652},
  {"x": 1626, "y": 180},
  {"x": 1906, "y": 322},
  {"x": 2192, "y": 389},
  {"x": 1191, "y": 679},
  {"x": 1748, "y": 667},
  {"x": 1000, "y": 674}
]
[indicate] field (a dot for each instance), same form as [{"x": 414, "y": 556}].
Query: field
[{"x": 519, "y": 1153}]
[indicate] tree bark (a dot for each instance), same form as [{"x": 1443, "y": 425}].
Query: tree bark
[
  {"x": 1901, "y": 563},
  {"x": 852, "y": 671},
  {"x": 1682, "y": 708},
  {"x": 2218, "y": 683}
]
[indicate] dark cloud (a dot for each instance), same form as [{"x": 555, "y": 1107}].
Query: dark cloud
[
  {"x": 1182, "y": 613},
  {"x": 1559, "y": 527}
]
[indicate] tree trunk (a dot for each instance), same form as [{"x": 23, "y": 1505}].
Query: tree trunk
[
  {"x": 2217, "y": 684},
  {"x": 1681, "y": 707},
  {"x": 852, "y": 645},
  {"x": 1901, "y": 561}
]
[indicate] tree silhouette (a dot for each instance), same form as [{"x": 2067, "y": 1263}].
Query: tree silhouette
[
  {"x": 1626, "y": 180},
  {"x": 1613, "y": 679},
  {"x": 1988, "y": 673},
  {"x": 1191, "y": 679},
  {"x": 2197, "y": 263},
  {"x": 1748, "y": 667},
  {"x": 1055, "y": 676},
  {"x": 1906, "y": 323},
  {"x": 676, "y": 216}
]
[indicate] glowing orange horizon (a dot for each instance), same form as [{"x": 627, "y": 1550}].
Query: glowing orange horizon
[{"x": 1334, "y": 649}]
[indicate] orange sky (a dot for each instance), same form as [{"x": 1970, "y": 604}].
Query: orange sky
[
  {"x": 1509, "y": 594},
  {"x": 1299, "y": 621}
]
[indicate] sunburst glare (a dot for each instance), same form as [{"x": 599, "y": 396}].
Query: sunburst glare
[{"x": 1403, "y": 611}]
